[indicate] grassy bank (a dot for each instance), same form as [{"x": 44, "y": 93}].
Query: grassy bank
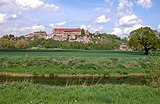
[{"x": 24, "y": 93}]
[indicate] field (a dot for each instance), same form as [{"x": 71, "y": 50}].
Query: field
[
  {"x": 39, "y": 89},
  {"x": 72, "y": 62}
]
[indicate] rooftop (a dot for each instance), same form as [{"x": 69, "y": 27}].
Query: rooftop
[{"x": 67, "y": 29}]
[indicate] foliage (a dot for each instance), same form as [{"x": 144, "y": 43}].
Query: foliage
[
  {"x": 10, "y": 37},
  {"x": 82, "y": 32},
  {"x": 6, "y": 43},
  {"x": 145, "y": 39},
  {"x": 25, "y": 93},
  {"x": 22, "y": 44}
]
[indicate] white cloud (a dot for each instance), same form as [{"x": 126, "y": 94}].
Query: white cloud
[
  {"x": 102, "y": 10},
  {"x": 110, "y": 1},
  {"x": 37, "y": 28},
  {"x": 34, "y": 4},
  {"x": 125, "y": 31},
  {"x": 158, "y": 26},
  {"x": 129, "y": 19},
  {"x": 29, "y": 3},
  {"x": 29, "y": 29},
  {"x": 117, "y": 31},
  {"x": 58, "y": 24},
  {"x": 102, "y": 19},
  {"x": 137, "y": 26},
  {"x": 86, "y": 27},
  {"x": 124, "y": 7},
  {"x": 51, "y": 6},
  {"x": 145, "y": 3},
  {"x": 14, "y": 16},
  {"x": 3, "y": 18},
  {"x": 21, "y": 30},
  {"x": 92, "y": 29}
]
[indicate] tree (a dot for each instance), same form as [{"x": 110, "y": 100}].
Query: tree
[
  {"x": 22, "y": 44},
  {"x": 145, "y": 39},
  {"x": 6, "y": 43},
  {"x": 82, "y": 32},
  {"x": 10, "y": 36}
]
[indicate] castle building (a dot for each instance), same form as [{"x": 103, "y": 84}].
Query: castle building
[{"x": 66, "y": 33}]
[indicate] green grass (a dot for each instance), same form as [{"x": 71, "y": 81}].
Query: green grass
[
  {"x": 70, "y": 53},
  {"x": 72, "y": 62},
  {"x": 25, "y": 93}
]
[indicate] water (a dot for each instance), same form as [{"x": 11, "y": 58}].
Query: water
[{"x": 56, "y": 81}]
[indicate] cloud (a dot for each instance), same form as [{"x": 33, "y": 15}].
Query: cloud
[
  {"x": 110, "y": 1},
  {"x": 22, "y": 30},
  {"x": 58, "y": 24},
  {"x": 145, "y": 3},
  {"x": 129, "y": 19},
  {"x": 102, "y": 19},
  {"x": 86, "y": 27},
  {"x": 92, "y": 29},
  {"x": 3, "y": 18},
  {"x": 125, "y": 31},
  {"x": 19, "y": 5},
  {"x": 37, "y": 28},
  {"x": 158, "y": 26},
  {"x": 34, "y": 4},
  {"x": 14, "y": 16},
  {"x": 124, "y": 7},
  {"x": 102, "y": 10},
  {"x": 29, "y": 3}
]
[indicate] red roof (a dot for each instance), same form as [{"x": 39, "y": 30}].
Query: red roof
[{"x": 67, "y": 29}]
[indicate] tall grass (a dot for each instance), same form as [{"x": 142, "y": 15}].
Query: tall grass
[
  {"x": 153, "y": 74},
  {"x": 24, "y": 93}
]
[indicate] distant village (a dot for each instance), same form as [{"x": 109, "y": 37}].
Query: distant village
[{"x": 62, "y": 34}]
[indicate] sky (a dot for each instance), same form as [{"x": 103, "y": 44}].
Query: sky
[{"x": 118, "y": 17}]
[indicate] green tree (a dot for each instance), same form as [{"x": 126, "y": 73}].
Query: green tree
[
  {"x": 22, "y": 44},
  {"x": 6, "y": 43},
  {"x": 10, "y": 36},
  {"x": 82, "y": 32},
  {"x": 145, "y": 39}
]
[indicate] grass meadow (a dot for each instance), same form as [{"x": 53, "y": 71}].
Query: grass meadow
[
  {"x": 72, "y": 62},
  {"x": 77, "y": 91}
]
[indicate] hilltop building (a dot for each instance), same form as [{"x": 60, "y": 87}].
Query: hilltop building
[
  {"x": 70, "y": 34},
  {"x": 62, "y": 34}
]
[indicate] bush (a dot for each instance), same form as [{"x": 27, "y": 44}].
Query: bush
[{"x": 22, "y": 44}]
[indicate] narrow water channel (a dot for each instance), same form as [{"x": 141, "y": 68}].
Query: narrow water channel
[{"x": 56, "y": 81}]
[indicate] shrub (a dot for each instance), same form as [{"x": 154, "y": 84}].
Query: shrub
[{"x": 22, "y": 44}]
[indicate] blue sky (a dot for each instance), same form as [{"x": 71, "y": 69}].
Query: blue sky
[{"x": 118, "y": 17}]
